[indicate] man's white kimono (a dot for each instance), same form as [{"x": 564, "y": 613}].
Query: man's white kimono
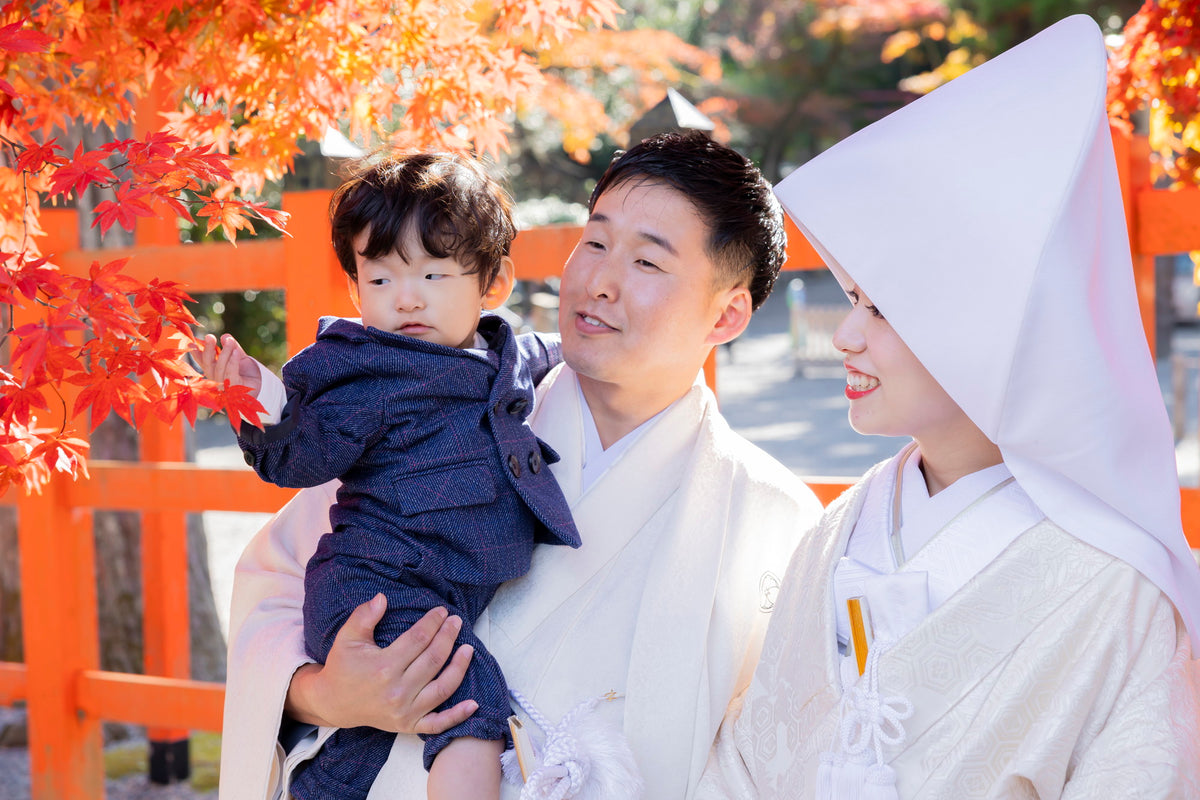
[
  {"x": 1056, "y": 671},
  {"x": 664, "y": 606}
]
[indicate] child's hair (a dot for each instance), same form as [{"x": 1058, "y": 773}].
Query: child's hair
[
  {"x": 456, "y": 209},
  {"x": 747, "y": 242}
]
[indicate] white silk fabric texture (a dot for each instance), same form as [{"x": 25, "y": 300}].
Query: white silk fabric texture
[{"x": 1057, "y": 671}]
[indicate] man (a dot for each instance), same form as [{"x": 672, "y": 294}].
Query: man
[{"x": 685, "y": 525}]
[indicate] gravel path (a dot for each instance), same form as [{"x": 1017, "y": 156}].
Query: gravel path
[{"x": 14, "y": 783}]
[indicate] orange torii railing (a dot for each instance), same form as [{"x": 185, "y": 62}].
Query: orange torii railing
[{"x": 67, "y": 696}]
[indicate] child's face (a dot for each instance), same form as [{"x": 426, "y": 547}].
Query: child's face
[
  {"x": 425, "y": 297},
  {"x": 890, "y": 391}
]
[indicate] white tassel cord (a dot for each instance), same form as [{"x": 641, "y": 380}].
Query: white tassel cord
[
  {"x": 856, "y": 771},
  {"x": 583, "y": 758}
]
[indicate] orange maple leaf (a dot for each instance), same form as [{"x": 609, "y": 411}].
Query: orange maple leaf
[{"x": 230, "y": 215}]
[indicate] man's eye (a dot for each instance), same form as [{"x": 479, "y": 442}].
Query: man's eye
[{"x": 648, "y": 264}]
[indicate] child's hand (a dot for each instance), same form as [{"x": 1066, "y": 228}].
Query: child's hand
[{"x": 229, "y": 362}]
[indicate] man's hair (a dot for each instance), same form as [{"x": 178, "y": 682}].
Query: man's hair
[
  {"x": 747, "y": 242},
  {"x": 455, "y": 208}
]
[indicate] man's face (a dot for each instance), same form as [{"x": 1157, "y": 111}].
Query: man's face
[{"x": 638, "y": 301}]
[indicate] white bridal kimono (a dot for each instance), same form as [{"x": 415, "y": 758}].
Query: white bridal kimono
[
  {"x": 1056, "y": 671},
  {"x": 1056, "y": 661},
  {"x": 665, "y": 605}
]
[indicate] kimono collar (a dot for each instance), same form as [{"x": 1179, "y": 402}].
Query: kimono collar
[
  {"x": 998, "y": 251},
  {"x": 596, "y": 458}
]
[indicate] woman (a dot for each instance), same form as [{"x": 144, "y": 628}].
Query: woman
[{"x": 1003, "y": 609}]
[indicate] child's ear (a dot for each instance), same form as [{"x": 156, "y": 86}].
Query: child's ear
[
  {"x": 352, "y": 286},
  {"x": 502, "y": 286}
]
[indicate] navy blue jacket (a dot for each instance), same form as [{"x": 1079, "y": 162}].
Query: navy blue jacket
[{"x": 431, "y": 444}]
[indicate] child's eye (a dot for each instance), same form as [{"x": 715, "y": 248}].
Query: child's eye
[
  {"x": 378, "y": 281},
  {"x": 435, "y": 276}
]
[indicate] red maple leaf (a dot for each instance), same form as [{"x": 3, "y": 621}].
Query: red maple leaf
[
  {"x": 80, "y": 172},
  {"x": 170, "y": 366},
  {"x": 129, "y": 204},
  {"x": 20, "y": 401},
  {"x": 109, "y": 392},
  {"x": 207, "y": 167},
  {"x": 274, "y": 217},
  {"x": 164, "y": 297},
  {"x": 37, "y": 338},
  {"x": 37, "y": 156},
  {"x": 16, "y": 38},
  {"x": 62, "y": 453},
  {"x": 240, "y": 404},
  {"x": 183, "y": 400}
]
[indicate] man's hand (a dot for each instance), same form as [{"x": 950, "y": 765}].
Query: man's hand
[
  {"x": 229, "y": 362},
  {"x": 394, "y": 688}
]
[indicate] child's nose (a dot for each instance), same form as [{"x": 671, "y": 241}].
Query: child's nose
[{"x": 408, "y": 296}]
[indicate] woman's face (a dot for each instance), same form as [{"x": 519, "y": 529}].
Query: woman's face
[{"x": 890, "y": 391}]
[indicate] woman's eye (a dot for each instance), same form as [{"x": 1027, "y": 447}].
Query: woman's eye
[{"x": 875, "y": 312}]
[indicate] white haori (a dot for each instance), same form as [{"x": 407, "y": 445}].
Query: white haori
[{"x": 666, "y": 603}]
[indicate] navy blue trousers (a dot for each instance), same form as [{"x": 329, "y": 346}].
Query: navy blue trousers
[{"x": 347, "y": 764}]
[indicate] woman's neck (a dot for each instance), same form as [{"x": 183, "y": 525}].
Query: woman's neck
[{"x": 946, "y": 458}]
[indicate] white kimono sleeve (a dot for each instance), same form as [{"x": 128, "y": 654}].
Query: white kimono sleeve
[
  {"x": 266, "y": 640},
  {"x": 1149, "y": 746}
]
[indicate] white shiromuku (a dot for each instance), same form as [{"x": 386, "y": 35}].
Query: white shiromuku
[
  {"x": 1052, "y": 656},
  {"x": 1057, "y": 670}
]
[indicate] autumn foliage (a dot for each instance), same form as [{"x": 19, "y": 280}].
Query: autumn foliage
[
  {"x": 1158, "y": 67},
  {"x": 239, "y": 82}
]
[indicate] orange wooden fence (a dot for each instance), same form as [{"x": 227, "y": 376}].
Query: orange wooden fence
[{"x": 66, "y": 694}]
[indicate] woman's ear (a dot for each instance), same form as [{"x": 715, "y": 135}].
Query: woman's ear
[
  {"x": 352, "y": 287},
  {"x": 502, "y": 285},
  {"x": 736, "y": 307}
]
